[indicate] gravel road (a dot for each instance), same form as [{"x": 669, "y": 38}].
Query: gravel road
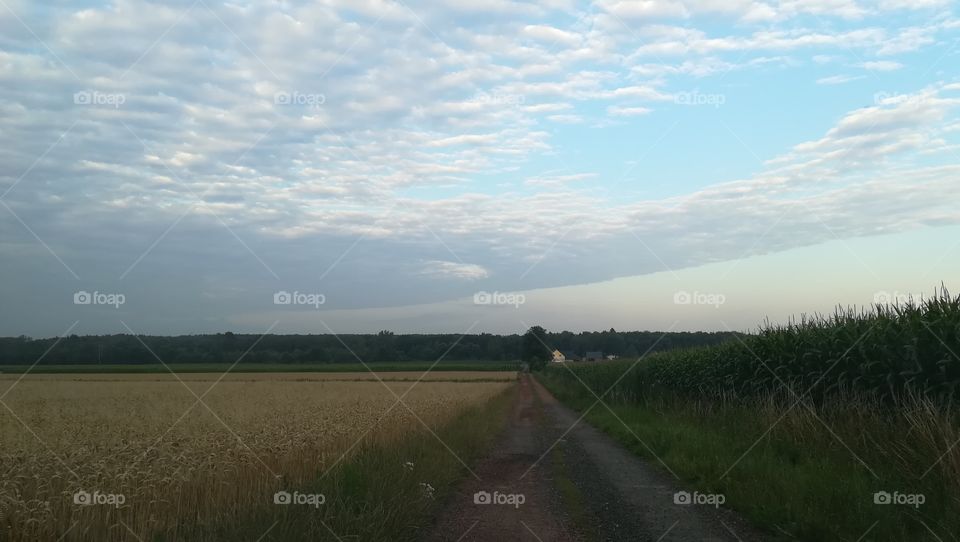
[{"x": 551, "y": 477}]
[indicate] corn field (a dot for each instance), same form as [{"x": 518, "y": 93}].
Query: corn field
[{"x": 889, "y": 352}]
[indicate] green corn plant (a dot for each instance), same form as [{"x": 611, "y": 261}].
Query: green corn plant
[{"x": 889, "y": 351}]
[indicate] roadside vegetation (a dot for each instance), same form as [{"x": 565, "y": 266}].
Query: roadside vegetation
[{"x": 843, "y": 427}]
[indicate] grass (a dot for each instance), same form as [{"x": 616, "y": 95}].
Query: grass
[
  {"x": 262, "y": 367},
  {"x": 574, "y": 501},
  {"x": 805, "y": 478}
]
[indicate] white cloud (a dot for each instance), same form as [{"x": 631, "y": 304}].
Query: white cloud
[
  {"x": 559, "y": 180},
  {"x": 838, "y": 79},
  {"x": 889, "y": 5},
  {"x": 552, "y": 36},
  {"x": 565, "y": 119},
  {"x": 881, "y": 65},
  {"x": 644, "y": 9},
  {"x": 446, "y": 123},
  {"x": 465, "y": 139},
  {"x": 547, "y": 107},
  {"x": 877, "y": 40},
  {"x": 847, "y": 9},
  {"x": 702, "y": 67},
  {"x": 454, "y": 270},
  {"x": 748, "y": 11},
  {"x": 620, "y": 111}
]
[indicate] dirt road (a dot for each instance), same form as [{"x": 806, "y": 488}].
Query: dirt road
[{"x": 550, "y": 478}]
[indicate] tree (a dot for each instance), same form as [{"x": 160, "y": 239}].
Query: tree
[
  {"x": 386, "y": 345},
  {"x": 227, "y": 347},
  {"x": 533, "y": 349}
]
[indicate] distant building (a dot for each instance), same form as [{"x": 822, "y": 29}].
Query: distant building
[
  {"x": 560, "y": 356},
  {"x": 593, "y": 356}
]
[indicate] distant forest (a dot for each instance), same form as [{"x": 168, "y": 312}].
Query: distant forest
[{"x": 383, "y": 346}]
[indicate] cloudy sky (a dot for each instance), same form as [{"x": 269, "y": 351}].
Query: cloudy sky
[{"x": 199, "y": 166}]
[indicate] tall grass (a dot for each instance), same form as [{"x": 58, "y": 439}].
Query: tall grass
[{"x": 804, "y": 473}]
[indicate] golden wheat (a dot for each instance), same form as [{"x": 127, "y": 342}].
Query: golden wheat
[{"x": 195, "y": 450}]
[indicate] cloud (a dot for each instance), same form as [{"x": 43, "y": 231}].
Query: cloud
[
  {"x": 343, "y": 147},
  {"x": 881, "y": 65},
  {"x": 644, "y": 9},
  {"x": 701, "y": 67},
  {"x": 552, "y": 36},
  {"x": 678, "y": 41},
  {"x": 455, "y": 270},
  {"x": 911, "y": 4},
  {"x": 547, "y": 107},
  {"x": 466, "y": 139},
  {"x": 619, "y": 111},
  {"x": 559, "y": 180},
  {"x": 748, "y": 11},
  {"x": 838, "y": 79},
  {"x": 565, "y": 119}
]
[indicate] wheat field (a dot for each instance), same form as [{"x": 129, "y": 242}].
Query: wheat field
[{"x": 153, "y": 450}]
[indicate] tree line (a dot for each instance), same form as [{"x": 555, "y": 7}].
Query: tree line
[{"x": 384, "y": 346}]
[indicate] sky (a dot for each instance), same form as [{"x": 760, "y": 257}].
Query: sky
[{"x": 472, "y": 166}]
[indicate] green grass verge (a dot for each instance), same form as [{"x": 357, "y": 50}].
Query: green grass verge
[
  {"x": 262, "y": 367},
  {"x": 799, "y": 480},
  {"x": 574, "y": 501}
]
